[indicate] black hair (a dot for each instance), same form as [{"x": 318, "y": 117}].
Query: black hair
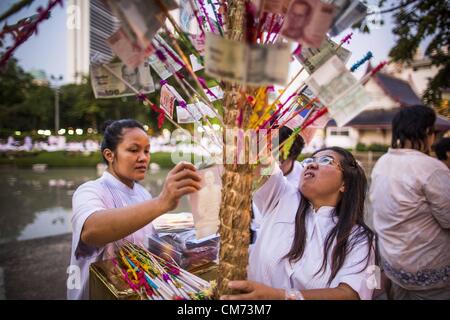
[
  {"x": 112, "y": 133},
  {"x": 350, "y": 213},
  {"x": 412, "y": 123},
  {"x": 441, "y": 148},
  {"x": 297, "y": 146}
]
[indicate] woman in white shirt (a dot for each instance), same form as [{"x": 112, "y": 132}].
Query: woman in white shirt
[
  {"x": 411, "y": 209},
  {"x": 313, "y": 242},
  {"x": 291, "y": 170},
  {"x": 115, "y": 206}
]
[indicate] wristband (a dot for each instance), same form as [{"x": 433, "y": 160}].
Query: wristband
[{"x": 292, "y": 294}]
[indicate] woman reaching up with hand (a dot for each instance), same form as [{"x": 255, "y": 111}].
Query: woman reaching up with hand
[
  {"x": 313, "y": 242},
  {"x": 116, "y": 206}
]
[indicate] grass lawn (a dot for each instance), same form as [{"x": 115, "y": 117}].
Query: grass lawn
[{"x": 61, "y": 159}]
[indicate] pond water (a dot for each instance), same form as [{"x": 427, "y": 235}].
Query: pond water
[{"x": 38, "y": 204}]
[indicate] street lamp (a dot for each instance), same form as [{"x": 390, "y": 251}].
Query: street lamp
[{"x": 56, "y": 81}]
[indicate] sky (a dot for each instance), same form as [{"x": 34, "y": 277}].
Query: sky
[{"x": 48, "y": 49}]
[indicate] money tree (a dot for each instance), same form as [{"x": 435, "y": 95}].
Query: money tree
[
  {"x": 235, "y": 209},
  {"x": 246, "y": 47}
]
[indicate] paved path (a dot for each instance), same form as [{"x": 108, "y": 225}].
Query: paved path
[{"x": 35, "y": 269}]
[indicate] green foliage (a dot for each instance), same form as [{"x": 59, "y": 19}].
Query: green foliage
[
  {"x": 422, "y": 22},
  {"x": 374, "y": 147},
  {"x": 361, "y": 147},
  {"x": 69, "y": 159},
  {"x": 14, "y": 103},
  {"x": 13, "y": 9},
  {"x": 164, "y": 159},
  {"x": 425, "y": 20},
  {"x": 26, "y": 106},
  {"x": 52, "y": 159}
]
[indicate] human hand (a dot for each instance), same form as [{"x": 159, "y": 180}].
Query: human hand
[
  {"x": 182, "y": 179},
  {"x": 253, "y": 291}
]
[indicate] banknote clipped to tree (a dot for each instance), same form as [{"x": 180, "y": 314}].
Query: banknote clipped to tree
[{"x": 224, "y": 66}]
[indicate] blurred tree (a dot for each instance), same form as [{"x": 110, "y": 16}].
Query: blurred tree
[
  {"x": 417, "y": 22},
  {"x": 26, "y": 106},
  {"x": 23, "y": 104},
  {"x": 80, "y": 108},
  {"x": 13, "y": 83},
  {"x": 37, "y": 109}
]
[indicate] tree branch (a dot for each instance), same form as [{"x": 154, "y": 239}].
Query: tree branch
[
  {"x": 407, "y": 3},
  {"x": 15, "y": 8}
]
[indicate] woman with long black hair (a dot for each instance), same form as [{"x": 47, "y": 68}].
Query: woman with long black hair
[
  {"x": 313, "y": 242},
  {"x": 116, "y": 206}
]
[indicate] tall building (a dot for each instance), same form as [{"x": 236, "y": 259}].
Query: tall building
[
  {"x": 77, "y": 25},
  {"x": 89, "y": 23}
]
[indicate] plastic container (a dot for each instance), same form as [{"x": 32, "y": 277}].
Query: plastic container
[{"x": 187, "y": 251}]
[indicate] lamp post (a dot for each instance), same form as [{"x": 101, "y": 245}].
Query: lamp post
[{"x": 56, "y": 81}]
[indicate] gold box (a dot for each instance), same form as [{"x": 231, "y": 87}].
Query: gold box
[{"x": 107, "y": 283}]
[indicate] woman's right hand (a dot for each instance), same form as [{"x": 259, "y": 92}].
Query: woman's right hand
[{"x": 182, "y": 179}]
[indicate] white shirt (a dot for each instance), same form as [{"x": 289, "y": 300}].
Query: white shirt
[
  {"x": 107, "y": 192},
  {"x": 410, "y": 196},
  {"x": 293, "y": 178},
  {"x": 279, "y": 202}
]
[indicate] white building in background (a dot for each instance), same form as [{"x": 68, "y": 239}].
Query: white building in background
[
  {"x": 77, "y": 26},
  {"x": 417, "y": 73},
  {"x": 389, "y": 92},
  {"x": 89, "y": 23}
]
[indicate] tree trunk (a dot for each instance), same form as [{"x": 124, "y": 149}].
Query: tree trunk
[{"x": 235, "y": 209}]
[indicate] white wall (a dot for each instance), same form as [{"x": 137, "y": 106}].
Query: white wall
[
  {"x": 366, "y": 136},
  {"x": 379, "y": 136},
  {"x": 349, "y": 141}
]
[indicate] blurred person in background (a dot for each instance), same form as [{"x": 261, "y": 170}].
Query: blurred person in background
[{"x": 411, "y": 209}]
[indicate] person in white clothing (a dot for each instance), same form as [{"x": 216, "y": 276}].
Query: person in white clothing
[
  {"x": 291, "y": 170},
  {"x": 115, "y": 206},
  {"x": 314, "y": 243},
  {"x": 411, "y": 210}
]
